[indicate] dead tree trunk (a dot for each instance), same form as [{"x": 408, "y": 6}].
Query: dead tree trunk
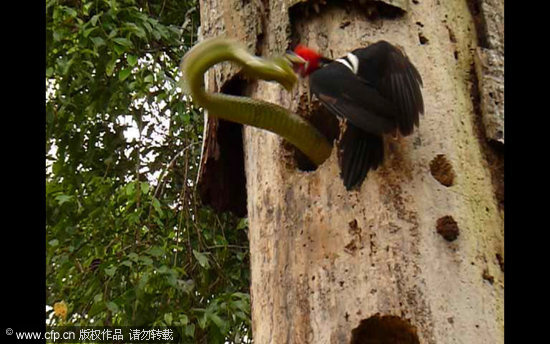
[{"x": 415, "y": 254}]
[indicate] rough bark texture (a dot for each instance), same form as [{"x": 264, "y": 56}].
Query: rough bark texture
[
  {"x": 489, "y": 19},
  {"x": 416, "y": 252}
]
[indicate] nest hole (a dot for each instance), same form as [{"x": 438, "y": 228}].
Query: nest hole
[
  {"x": 223, "y": 179},
  {"x": 386, "y": 329},
  {"x": 372, "y": 10},
  {"x": 442, "y": 170},
  {"x": 447, "y": 227},
  {"x": 422, "y": 39},
  {"x": 324, "y": 121}
]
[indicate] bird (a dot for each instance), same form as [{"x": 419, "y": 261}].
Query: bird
[{"x": 376, "y": 91}]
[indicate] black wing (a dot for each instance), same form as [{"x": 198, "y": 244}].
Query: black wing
[
  {"x": 349, "y": 97},
  {"x": 359, "y": 152},
  {"x": 384, "y": 95},
  {"x": 368, "y": 115},
  {"x": 396, "y": 78}
]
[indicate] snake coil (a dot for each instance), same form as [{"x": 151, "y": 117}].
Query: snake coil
[{"x": 244, "y": 110}]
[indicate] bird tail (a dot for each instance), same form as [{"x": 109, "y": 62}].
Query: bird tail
[{"x": 359, "y": 152}]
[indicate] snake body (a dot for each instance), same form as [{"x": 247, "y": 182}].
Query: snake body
[{"x": 244, "y": 110}]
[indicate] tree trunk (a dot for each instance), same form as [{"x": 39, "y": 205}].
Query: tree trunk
[{"x": 416, "y": 254}]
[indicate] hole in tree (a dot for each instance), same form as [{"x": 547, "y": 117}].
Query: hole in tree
[
  {"x": 422, "y": 39},
  {"x": 448, "y": 228},
  {"x": 481, "y": 26},
  {"x": 223, "y": 180},
  {"x": 442, "y": 170},
  {"x": 386, "y": 329},
  {"x": 302, "y": 11},
  {"x": 320, "y": 118}
]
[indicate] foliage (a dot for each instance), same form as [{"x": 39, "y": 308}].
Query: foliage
[{"x": 128, "y": 242}]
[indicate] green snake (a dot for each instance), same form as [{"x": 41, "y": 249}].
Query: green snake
[{"x": 244, "y": 110}]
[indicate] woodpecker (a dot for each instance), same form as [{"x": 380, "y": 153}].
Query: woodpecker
[{"x": 376, "y": 90}]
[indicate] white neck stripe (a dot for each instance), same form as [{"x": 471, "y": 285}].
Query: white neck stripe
[
  {"x": 351, "y": 61},
  {"x": 354, "y": 62},
  {"x": 345, "y": 63}
]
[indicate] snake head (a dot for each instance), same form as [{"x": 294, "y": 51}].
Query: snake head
[
  {"x": 278, "y": 69},
  {"x": 298, "y": 63},
  {"x": 288, "y": 77}
]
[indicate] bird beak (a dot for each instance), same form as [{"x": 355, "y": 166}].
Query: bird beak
[
  {"x": 294, "y": 59},
  {"x": 298, "y": 63}
]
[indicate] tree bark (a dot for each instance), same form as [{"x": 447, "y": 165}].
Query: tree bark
[{"x": 417, "y": 252}]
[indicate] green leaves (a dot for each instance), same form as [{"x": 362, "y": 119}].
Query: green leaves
[
  {"x": 156, "y": 251},
  {"x": 132, "y": 60},
  {"x": 123, "y": 42},
  {"x": 95, "y": 18},
  {"x": 63, "y": 198},
  {"x": 168, "y": 318},
  {"x": 110, "y": 66},
  {"x": 243, "y": 223},
  {"x": 158, "y": 207},
  {"x": 110, "y": 271},
  {"x": 124, "y": 73},
  {"x": 113, "y": 307},
  {"x": 222, "y": 312},
  {"x": 97, "y": 41},
  {"x": 202, "y": 259}
]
